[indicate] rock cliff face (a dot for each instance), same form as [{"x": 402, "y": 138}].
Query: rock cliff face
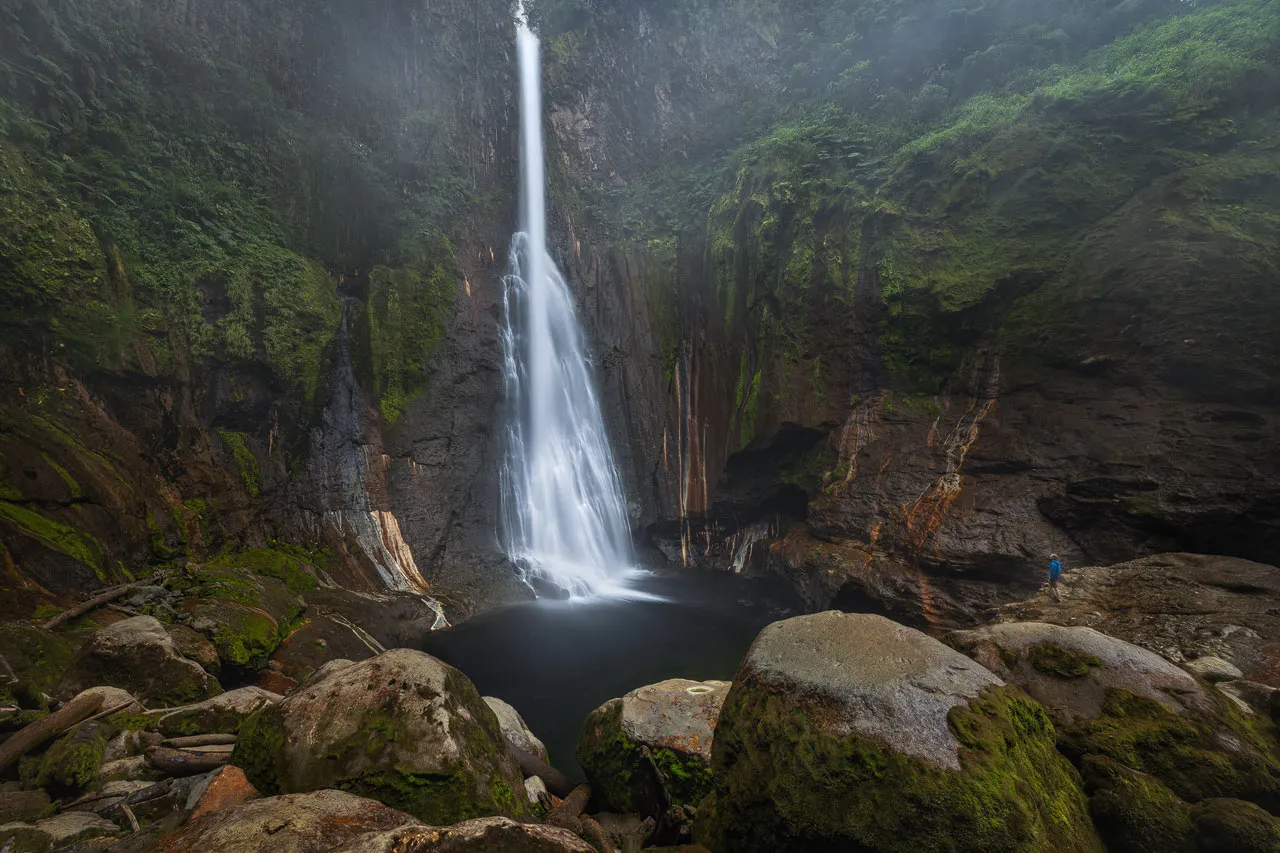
[
  {"x": 893, "y": 315},
  {"x": 902, "y": 354}
]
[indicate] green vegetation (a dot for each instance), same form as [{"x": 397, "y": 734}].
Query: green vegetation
[
  {"x": 1052, "y": 659},
  {"x": 408, "y": 308},
  {"x": 1184, "y": 751}
]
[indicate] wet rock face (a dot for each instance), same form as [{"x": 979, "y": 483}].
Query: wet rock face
[
  {"x": 402, "y": 727},
  {"x": 139, "y": 656},
  {"x": 651, "y": 749},
  {"x": 1181, "y": 606},
  {"x": 1070, "y": 670},
  {"x": 853, "y": 731}
]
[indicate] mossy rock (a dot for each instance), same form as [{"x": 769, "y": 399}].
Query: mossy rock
[
  {"x": 1234, "y": 826},
  {"x": 38, "y": 658},
  {"x": 71, "y": 765},
  {"x": 245, "y": 617},
  {"x": 139, "y": 656},
  {"x": 223, "y": 714},
  {"x": 1198, "y": 756},
  {"x": 1135, "y": 812},
  {"x": 817, "y": 748},
  {"x": 1052, "y": 659},
  {"x": 402, "y": 728},
  {"x": 652, "y": 748}
]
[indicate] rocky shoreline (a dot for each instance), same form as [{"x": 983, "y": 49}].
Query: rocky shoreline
[{"x": 1036, "y": 732}]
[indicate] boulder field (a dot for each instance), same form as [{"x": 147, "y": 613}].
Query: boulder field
[{"x": 838, "y": 732}]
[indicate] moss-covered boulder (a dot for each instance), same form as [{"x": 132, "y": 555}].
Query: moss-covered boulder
[
  {"x": 195, "y": 646},
  {"x": 403, "y": 728},
  {"x": 1135, "y": 812},
  {"x": 37, "y": 657},
  {"x": 71, "y": 765},
  {"x": 139, "y": 656},
  {"x": 1234, "y": 826},
  {"x": 222, "y": 714},
  {"x": 1221, "y": 753},
  {"x": 849, "y": 731},
  {"x": 1069, "y": 670},
  {"x": 651, "y": 749}
]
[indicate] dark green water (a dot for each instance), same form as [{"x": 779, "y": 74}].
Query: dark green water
[{"x": 556, "y": 661}]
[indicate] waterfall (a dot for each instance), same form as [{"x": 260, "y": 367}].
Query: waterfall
[{"x": 563, "y": 514}]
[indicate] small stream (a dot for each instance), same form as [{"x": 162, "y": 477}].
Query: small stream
[{"x": 556, "y": 661}]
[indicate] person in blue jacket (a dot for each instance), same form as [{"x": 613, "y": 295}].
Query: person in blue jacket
[{"x": 1055, "y": 572}]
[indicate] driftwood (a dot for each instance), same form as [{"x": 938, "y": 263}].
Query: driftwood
[
  {"x": 566, "y": 815},
  {"x": 47, "y": 728},
  {"x": 97, "y": 601},
  {"x": 176, "y": 762},
  {"x": 133, "y": 819},
  {"x": 198, "y": 740},
  {"x": 531, "y": 765}
]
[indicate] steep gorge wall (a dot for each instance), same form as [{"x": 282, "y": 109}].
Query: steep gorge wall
[
  {"x": 918, "y": 334},
  {"x": 251, "y": 256}
]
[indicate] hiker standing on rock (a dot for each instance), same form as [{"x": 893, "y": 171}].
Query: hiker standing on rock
[{"x": 1055, "y": 572}]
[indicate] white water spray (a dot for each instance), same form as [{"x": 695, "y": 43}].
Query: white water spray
[{"x": 563, "y": 514}]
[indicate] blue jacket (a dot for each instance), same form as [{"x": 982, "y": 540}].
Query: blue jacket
[{"x": 1055, "y": 569}]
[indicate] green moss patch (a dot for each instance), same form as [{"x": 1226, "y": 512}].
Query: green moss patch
[
  {"x": 630, "y": 777},
  {"x": 1186, "y": 752},
  {"x": 71, "y": 765},
  {"x": 37, "y": 657},
  {"x": 1134, "y": 812},
  {"x": 1052, "y": 659}
]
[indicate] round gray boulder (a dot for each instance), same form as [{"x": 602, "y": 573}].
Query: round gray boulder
[{"x": 403, "y": 728}]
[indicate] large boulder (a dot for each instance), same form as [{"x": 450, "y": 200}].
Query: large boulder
[
  {"x": 515, "y": 729},
  {"x": 403, "y": 728},
  {"x": 1114, "y": 699},
  {"x": 139, "y": 656},
  {"x": 294, "y": 823},
  {"x": 485, "y": 835},
  {"x": 849, "y": 731},
  {"x": 1070, "y": 670},
  {"x": 221, "y": 714},
  {"x": 652, "y": 748}
]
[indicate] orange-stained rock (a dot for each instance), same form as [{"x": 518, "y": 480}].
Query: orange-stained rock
[
  {"x": 227, "y": 788},
  {"x": 276, "y": 682}
]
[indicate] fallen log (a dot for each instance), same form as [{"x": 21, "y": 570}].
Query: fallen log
[
  {"x": 98, "y": 600},
  {"x": 531, "y": 765},
  {"x": 198, "y": 740},
  {"x": 47, "y": 728},
  {"x": 176, "y": 762}
]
